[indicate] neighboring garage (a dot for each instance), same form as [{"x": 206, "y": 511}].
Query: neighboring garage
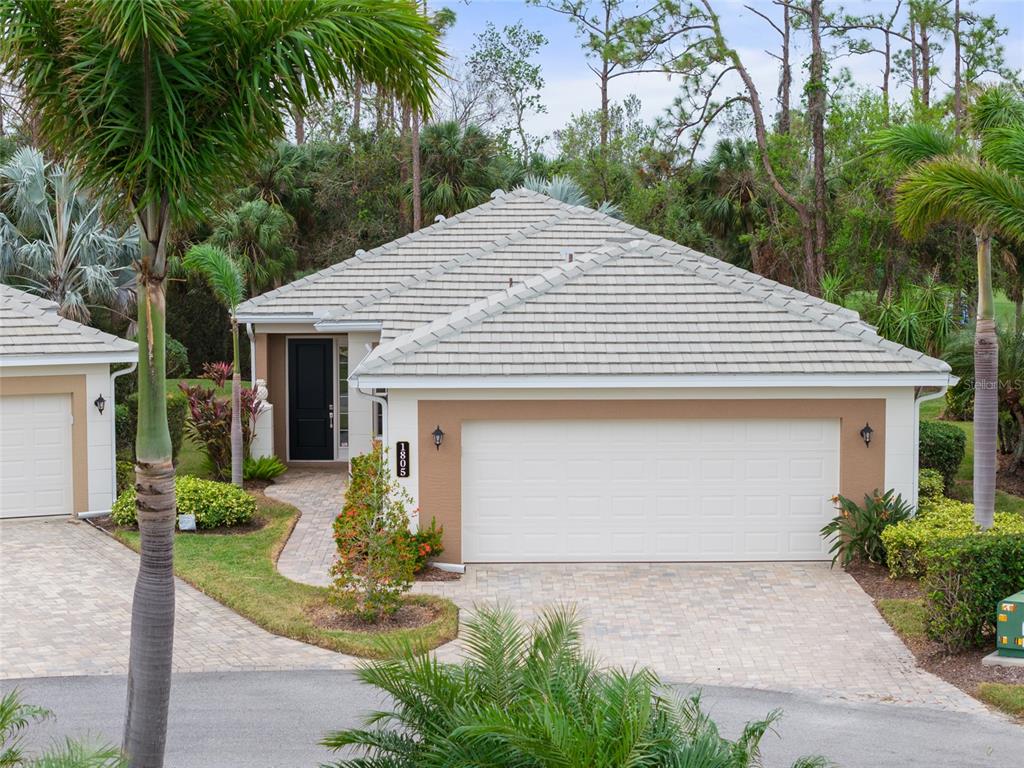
[{"x": 56, "y": 444}]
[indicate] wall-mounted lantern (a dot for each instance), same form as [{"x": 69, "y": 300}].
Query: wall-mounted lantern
[
  {"x": 100, "y": 404},
  {"x": 866, "y": 433},
  {"x": 438, "y": 437}
]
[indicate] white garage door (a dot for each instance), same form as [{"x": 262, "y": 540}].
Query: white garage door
[
  {"x": 647, "y": 490},
  {"x": 35, "y": 455}
]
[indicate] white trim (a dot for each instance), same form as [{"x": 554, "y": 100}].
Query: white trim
[
  {"x": 369, "y": 381},
  {"x": 72, "y": 358},
  {"x": 293, "y": 318},
  {"x": 346, "y": 326},
  {"x": 916, "y": 470}
]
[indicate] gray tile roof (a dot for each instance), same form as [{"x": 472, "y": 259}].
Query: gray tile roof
[
  {"x": 492, "y": 292},
  {"x": 30, "y": 327},
  {"x": 641, "y": 308}
]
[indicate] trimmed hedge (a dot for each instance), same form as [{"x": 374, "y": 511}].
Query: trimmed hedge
[
  {"x": 214, "y": 504},
  {"x": 942, "y": 447},
  {"x": 937, "y": 518},
  {"x": 964, "y": 579},
  {"x": 125, "y": 423},
  {"x": 929, "y": 484}
]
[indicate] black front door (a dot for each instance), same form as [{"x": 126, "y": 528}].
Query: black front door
[{"x": 310, "y": 399}]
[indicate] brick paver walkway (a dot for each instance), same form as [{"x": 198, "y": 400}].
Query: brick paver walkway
[
  {"x": 65, "y": 609},
  {"x": 779, "y": 626},
  {"x": 310, "y": 551}
]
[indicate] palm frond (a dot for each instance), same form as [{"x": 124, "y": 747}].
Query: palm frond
[
  {"x": 912, "y": 144},
  {"x": 1004, "y": 148},
  {"x": 998, "y": 106},
  {"x": 960, "y": 189},
  {"x": 220, "y": 271}
]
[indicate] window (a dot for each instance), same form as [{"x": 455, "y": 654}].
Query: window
[{"x": 343, "y": 393}]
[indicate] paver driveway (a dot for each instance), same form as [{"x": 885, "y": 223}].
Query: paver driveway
[
  {"x": 781, "y": 626},
  {"x": 65, "y": 609}
]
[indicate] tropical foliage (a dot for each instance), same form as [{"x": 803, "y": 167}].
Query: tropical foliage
[
  {"x": 55, "y": 243},
  {"x": 856, "y": 532},
  {"x": 535, "y": 698}
]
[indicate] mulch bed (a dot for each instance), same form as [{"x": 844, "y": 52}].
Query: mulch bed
[
  {"x": 409, "y": 616},
  {"x": 257, "y": 523},
  {"x": 436, "y": 574},
  {"x": 964, "y": 669}
]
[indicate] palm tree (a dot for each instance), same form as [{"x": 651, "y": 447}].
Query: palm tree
[
  {"x": 460, "y": 168},
  {"x": 980, "y": 185},
  {"x": 54, "y": 242},
  {"x": 568, "y": 190},
  {"x": 224, "y": 276},
  {"x": 259, "y": 235},
  {"x": 728, "y": 195},
  {"x": 536, "y": 699},
  {"x": 161, "y": 105}
]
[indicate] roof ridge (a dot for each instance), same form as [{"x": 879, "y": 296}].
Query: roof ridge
[
  {"x": 37, "y": 307},
  {"x": 358, "y": 257},
  {"x": 494, "y": 304},
  {"x": 462, "y": 259}
]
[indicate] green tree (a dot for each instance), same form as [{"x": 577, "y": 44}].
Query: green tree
[
  {"x": 980, "y": 185},
  {"x": 503, "y": 62},
  {"x": 461, "y": 167},
  {"x": 224, "y": 277},
  {"x": 160, "y": 105},
  {"x": 55, "y": 243},
  {"x": 259, "y": 235},
  {"x": 729, "y": 196}
]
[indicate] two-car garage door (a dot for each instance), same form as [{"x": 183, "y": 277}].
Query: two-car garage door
[
  {"x": 695, "y": 489},
  {"x": 35, "y": 455}
]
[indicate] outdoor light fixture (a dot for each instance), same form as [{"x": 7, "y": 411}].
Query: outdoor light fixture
[
  {"x": 866, "y": 434},
  {"x": 438, "y": 437},
  {"x": 100, "y": 403}
]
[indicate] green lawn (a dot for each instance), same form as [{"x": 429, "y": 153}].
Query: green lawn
[
  {"x": 964, "y": 490},
  {"x": 1005, "y": 696},
  {"x": 907, "y": 617},
  {"x": 240, "y": 571},
  {"x": 225, "y": 391}
]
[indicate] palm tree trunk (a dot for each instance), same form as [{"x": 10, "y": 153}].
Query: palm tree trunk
[
  {"x": 152, "y": 628},
  {"x": 986, "y": 394},
  {"x": 417, "y": 174},
  {"x": 236, "y": 411}
]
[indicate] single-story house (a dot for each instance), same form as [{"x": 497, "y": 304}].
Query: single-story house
[
  {"x": 56, "y": 410},
  {"x": 553, "y": 384}
]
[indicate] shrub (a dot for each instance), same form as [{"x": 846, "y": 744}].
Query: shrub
[
  {"x": 177, "y": 368},
  {"x": 856, "y": 531},
  {"x": 964, "y": 579},
  {"x": 263, "y": 468},
  {"x": 125, "y": 476},
  {"x": 125, "y": 423},
  {"x": 960, "y": 400},
  {"x": 375, "y": 563},
  {"x": 942, "y": 447},
  {"x": 937, "y": 518},
  {"x": 219, "y": 373},
  {"x": 425, "y": 544},
  {"x": 535, "y": 697},
  {"x": 209, "y": 425},
  {"x": 215, "y": 505},
  {"x": 929, "y": 484}
]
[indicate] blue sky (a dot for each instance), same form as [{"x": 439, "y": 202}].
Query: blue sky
[{"x": 570, "y": 87}]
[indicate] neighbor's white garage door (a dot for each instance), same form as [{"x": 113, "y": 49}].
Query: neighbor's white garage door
[
  {"x": 35, "y": 455},
  {"x": 647, "y": 490}
]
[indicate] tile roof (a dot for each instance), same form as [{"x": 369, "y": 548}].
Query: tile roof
[
  {"x": 492, "y": 291},
  {"x": 30, "y": 327}
]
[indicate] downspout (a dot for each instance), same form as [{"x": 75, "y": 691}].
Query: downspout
[
  {"x": 252, "y": 355},
  {"x": 917, "y": 436},
  {"x": 113, "y": 441}
]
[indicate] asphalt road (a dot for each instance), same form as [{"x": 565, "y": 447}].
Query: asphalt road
[{"x": 275, "y": 719}]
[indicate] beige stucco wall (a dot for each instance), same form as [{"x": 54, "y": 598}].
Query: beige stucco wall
[{"x": 435, "y": 477}]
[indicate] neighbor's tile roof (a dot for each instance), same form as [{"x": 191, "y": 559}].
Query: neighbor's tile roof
[
  {"x": 30, "y": 327},
  {"x": 492, "y": 292}
]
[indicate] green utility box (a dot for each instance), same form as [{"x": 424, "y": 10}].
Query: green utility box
[{"x": 1010, "y": 626}]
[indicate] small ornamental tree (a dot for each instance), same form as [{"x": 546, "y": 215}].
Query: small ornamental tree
[{"x": 375, "y": 563}]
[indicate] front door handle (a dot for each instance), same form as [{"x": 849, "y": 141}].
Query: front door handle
[{"x": 330, "y": 414}]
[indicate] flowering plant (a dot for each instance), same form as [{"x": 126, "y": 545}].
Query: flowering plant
[
  {"x": 425, "y": 544},
  {"x": 375, "y": 563},
  {"x": 856, "y": 532}
]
